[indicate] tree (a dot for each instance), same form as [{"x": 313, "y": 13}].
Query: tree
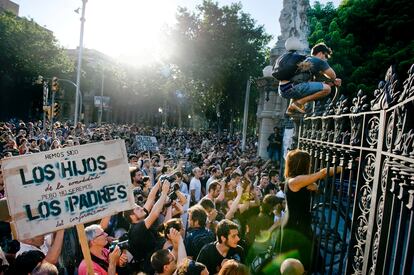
[
  {"x": 216, "y": 49},
  {"x": 26, "y": 51},
  {"x": 367, "y": 36}
]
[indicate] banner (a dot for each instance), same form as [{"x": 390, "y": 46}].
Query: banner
[
  {"x": 146, "y": 143},
  {"x": 105, "y": 100},
  {"x": 61, "y": 188}
]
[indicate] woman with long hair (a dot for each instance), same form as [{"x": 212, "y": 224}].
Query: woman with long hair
[{"x": 297, "y": 233}]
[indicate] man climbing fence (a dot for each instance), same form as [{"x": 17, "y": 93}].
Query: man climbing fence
[{"x": 298, "y": 74}]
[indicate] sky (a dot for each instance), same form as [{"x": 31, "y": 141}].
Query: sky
[{"x": 130, "y": 29}]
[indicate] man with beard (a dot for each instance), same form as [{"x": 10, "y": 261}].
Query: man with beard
[
  {"x": 142, "y": 238},
  {"x": 136, "y": 176},
  {"x": 197, "y": 235},
  {"x": 215, "y": 254}
]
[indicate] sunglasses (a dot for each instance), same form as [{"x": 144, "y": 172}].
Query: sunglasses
[{"x": 102, "y": 234}]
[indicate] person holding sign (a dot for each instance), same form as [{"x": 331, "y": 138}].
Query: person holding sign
[
  {"x": 104, "y": 262},
  {"x": 39, "y": 243}
]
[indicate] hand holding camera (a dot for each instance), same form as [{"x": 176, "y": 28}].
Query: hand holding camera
[
  {"x": 115, "y": 255},
  {"x": 165, "y": 187}
]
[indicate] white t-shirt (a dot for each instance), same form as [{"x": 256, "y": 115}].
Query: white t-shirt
[
  {"x": 28, "y": 247},
  {"x": 183, "y": 188},
  {"x": 210, "y": 179},
  {"x": 195, "y": 184}
]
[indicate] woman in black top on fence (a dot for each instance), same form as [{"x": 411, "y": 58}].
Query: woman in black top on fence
[{"x": 297, "y": 233}]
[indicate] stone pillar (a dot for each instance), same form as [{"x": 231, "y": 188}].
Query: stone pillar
[
  {"x": 293, "y": 23},
  {"x": 270, "y": 113}
]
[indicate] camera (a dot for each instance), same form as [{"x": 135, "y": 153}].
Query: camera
[
  {"x": 139, "y": 196},
  {"x": 122, "y": 245},
  {"x": 172, "y": 195},
  {"x": 170, "y": 178}
]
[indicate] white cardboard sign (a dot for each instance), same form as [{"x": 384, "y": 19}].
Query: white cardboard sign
[{"x": 61, "y": 188}]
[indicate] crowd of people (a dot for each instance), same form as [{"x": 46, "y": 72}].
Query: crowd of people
[{"x": 201, "y": 205}]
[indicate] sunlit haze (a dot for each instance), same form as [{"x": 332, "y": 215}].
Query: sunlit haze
[{"x": 129, "y": 30}]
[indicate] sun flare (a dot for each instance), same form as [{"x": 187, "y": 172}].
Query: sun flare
[{"x": 129, "y": 29}]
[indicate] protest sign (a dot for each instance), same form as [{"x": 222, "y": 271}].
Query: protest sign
[
  {"x": 57, "y": 189},
  {"x": 146, "y": 143}
]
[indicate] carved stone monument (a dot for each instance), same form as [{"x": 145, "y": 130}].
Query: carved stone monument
[
  {"x": 271, "y": 107},
  {"x": 293, "y": 23}
]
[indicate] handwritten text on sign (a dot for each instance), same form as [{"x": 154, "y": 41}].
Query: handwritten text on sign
[
  {"x": 57, "y": 189},
  {"x": 146, "y": 143}
]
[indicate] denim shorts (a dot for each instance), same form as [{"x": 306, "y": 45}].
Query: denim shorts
[{"x": 300, "y": 90}]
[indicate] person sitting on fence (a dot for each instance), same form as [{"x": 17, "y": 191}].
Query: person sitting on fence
[{"x": 303, "y": 87}]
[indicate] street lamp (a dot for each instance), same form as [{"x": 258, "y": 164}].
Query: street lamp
[
  {"x": 102, "y": 90},
  {"x": 189, "y": 121},
  {"x": 246, "y": 113},
  {"x": 267, "y": 71},
  {"x": 160, "y": 112},
  {"x": 78, "y": 73},
  {"x": 180, "y": 98}
]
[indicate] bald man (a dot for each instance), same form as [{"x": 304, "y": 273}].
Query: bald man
[{"x": 292, "y": 266}]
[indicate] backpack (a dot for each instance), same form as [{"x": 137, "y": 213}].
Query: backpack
[{"x": 286, "y": 65}]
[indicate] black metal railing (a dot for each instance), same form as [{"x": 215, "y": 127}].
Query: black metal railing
[{"x": 364, "y": 219}]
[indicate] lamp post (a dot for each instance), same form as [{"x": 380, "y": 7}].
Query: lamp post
[
  {"x": 102, "y": 90},
  {"x": 160, "y": 111},
  {"x": 267, "y": 110},
  {"x": 78, "y": 73},
  {"x": 189, "y": 121},
  {"x": 180, "y": 97},
  {"x": 246, "y": 113}
]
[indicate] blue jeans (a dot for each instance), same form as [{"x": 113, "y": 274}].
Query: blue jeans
[
  {"x": 274, "y": 154},
  {"x": 300, "y": 90}
]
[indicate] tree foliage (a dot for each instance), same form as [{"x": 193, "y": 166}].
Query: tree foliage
[
  {"x": 215, "y": 50},
  {"x": 26, "y": 51},
  {"x": 27, "y": 48},
  {"x": 367, "y": 36}
]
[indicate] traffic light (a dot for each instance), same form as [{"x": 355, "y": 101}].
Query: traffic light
[
  {"x": 56, "y": 109},
  {"x": 55, "y": 84},
  {"x": 45, "y": 93},
  {"x": 47, "y": 110}
]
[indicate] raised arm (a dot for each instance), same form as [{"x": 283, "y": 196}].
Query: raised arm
[
  {"x": 222, "y": 192},
  {"x": 151, "y": 196},
  {"x": 299, "y": 182},
  {"x": 235, "y": 204},
  {"x": 105, "y": 222},
  {"x": 53, "y": 254},
  {"x": 178, "y": 245},
  {"x": 181, "y": 198},
  {"x": 156, "y": 210}
]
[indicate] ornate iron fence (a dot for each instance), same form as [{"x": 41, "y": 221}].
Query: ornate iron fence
[{"x": 364, "y": 216}]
